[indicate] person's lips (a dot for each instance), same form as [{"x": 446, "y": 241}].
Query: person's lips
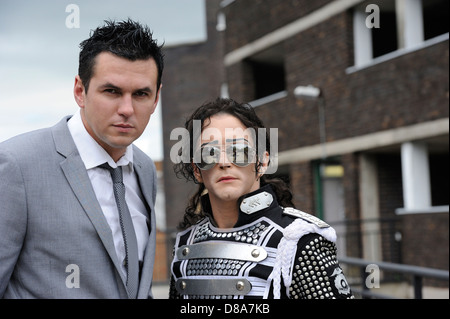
[
  {"x": 124, "y": 127},
  {"x": 226, "y": 179}
]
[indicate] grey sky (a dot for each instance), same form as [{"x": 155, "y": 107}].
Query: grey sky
[{"x": 39, "y": 55}]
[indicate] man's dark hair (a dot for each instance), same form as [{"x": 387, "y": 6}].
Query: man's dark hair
[{"x": 127, "y": 39}]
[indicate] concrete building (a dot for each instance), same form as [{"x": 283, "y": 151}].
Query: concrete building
[{"x": 358, "y": 91}]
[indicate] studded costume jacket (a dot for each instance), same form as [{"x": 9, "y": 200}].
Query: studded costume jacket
[{"x": 272, "y": 252}]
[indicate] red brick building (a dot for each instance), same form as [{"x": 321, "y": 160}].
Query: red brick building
[{"x": 369, "y": 153}]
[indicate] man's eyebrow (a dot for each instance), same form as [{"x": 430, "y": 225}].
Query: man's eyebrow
[
  {"x": 145, "y": 89},
  {"x": 212, "y": 142},
  {"x": 228, "y": 140},
  {"x": 109, "y": 85},
  {"x": 236, "y": 139}
]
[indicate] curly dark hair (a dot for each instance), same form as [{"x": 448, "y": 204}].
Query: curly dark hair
[
  {"x": 184, "y": 169},
  {"x": 127, "y": 39}
]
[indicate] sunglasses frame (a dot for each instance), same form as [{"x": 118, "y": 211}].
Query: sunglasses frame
[{"x": 208, "y": 166}]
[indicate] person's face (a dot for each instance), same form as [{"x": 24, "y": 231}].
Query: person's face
[
  {"x": 226, "y": 181},
  {"x": 121, "y": 97}
]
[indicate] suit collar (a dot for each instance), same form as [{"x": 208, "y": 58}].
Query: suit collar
[{"x": 63, "y": 140}]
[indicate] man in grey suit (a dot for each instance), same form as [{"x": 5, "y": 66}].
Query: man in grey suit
[{"x": 60, "y": 231}]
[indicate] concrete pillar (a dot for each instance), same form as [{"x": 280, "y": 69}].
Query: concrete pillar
[
  {"x": 362, "y": 38},
  {"x": 416, "y": 176},
  {"x": 370, "y": 207},
  {"x": 409, "y": 23}
]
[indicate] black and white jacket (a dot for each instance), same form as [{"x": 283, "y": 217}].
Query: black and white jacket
[{"x": 272, "y": 252}]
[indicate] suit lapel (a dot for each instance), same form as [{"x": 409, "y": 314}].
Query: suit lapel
[
  {"x": 145, "y": 177},
  {"x": 81, "y": 185},
  {"x": 76, "y": 174}
]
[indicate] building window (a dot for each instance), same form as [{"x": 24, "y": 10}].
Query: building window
[
  {"x": 384, "y": 38},
  {"x": 266, "y": 73},
  {"x": 401, "y": 24},
  {"x": 425, "y": 177},
  {"x": 435, "y": 18}
]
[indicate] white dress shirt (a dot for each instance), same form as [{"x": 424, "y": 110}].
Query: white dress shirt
[{"x": 94, "y": 155}]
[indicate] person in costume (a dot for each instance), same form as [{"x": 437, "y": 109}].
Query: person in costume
[{"x": 241, "y": 236}]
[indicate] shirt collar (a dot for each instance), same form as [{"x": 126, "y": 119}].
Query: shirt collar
[{"x": 90, "y": 151}]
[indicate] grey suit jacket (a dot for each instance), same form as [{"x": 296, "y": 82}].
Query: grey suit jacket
[{"x": 54, "y": 239}]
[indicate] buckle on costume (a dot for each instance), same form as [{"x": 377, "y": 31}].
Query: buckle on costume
[
  {"x": 213, "y": 287},
  {"x": 225, "y": 250}
]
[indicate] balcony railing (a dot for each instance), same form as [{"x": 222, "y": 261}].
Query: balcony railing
[{"x": 417, "y": 274}]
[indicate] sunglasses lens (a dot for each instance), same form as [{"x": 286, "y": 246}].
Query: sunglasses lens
[
  {"x": 240, "y": 154},
  {"x": 210, "y": 156}
]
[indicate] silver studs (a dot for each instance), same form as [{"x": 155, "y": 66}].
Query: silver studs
[
  {"x": 240, "y": 285},
  {"x": 255, "y": 253}
]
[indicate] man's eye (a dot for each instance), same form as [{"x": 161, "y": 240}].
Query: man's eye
[
  {"x": 210, "y": 154},
  {"x": 141, "y": 93},
  {"x": 111, "y": 91}
]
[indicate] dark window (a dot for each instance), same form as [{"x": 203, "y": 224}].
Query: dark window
[
  {"x": 435, "y": 18},
  {"x": 384, "y": 39},
  {"x": 439, "y": 179},
  {"x": 267, "y": 72}
]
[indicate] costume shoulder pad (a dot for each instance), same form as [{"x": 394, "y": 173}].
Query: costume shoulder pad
[{"x": 305, "y": 216}]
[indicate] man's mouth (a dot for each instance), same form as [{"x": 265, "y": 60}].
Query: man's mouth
[
  {"x": 124, "y": 127},
  {"x": 226, "y": 179}
]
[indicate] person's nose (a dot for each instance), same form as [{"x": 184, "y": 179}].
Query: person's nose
[
  {"x": 223, "y": 160},
  {"x": 126, "y": 105}
]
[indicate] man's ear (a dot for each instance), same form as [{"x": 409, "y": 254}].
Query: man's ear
[
  {"x": 157, "y": 97},
  {"x": 197, "y": 173},
  {"x": 264, "y": 160},
  {"x": 79, "y": 92}
]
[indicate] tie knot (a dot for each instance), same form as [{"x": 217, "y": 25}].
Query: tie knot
[{"x": 116, "y": 173}]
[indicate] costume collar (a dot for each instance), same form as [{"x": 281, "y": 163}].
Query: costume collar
[
  {"x": 251, "y": 206},
  {"x": 256, "y": 204}
]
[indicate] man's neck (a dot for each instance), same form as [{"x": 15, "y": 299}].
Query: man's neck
[{"x": 225, "y": 213}]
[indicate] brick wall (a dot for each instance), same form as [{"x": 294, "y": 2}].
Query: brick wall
[
  {"x": 161, "y": 270},
  {"x": 248, "y": 20},
  {"x": 406, "y": 90},
  {"x": 409, "y": 89}
]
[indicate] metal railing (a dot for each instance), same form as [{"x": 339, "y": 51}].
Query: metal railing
[{"x": 417, "y": 273}]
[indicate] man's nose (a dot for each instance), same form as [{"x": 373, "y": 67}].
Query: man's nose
[
  {"x": 223, "y": 160},
  {"x": 126, "y": 105}
]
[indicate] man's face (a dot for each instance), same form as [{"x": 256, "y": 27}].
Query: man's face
[
  {"x": 121, "y": 97},
  {"x": 226, "y": 181}
]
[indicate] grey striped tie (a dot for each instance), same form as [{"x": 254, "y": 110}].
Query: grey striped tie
[{"x": 129, "y": 235}]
